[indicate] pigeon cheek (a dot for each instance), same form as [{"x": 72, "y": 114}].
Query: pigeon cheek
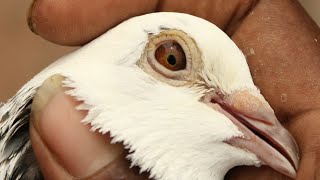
[{"x": 263, "y": 134}]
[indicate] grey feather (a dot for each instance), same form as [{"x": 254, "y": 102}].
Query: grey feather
[{"x": 18, "y": 145}]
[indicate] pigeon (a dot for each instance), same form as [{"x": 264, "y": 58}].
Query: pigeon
[{"x": 174, "y": 89}]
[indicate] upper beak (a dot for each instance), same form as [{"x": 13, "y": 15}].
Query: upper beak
[{"x": 263, "y": 133}]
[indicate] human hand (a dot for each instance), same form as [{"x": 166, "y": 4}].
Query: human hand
[{"x": 278, "y": 38}]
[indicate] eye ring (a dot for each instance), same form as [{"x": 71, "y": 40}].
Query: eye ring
[{"x": 172, "y": 45}]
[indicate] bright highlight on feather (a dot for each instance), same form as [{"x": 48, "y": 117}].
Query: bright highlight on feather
[{"x": 180, "y": 98}]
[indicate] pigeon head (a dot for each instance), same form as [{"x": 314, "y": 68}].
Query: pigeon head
[{"x": 177, "y": 92}]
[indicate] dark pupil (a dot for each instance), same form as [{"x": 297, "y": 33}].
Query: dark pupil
[{"x": 171, "y": 59}]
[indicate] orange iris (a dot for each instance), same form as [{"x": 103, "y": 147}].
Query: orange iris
[{"x": 171, "y": 55}]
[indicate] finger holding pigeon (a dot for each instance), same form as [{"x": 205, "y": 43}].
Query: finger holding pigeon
[{"x": 275, "y": 60}]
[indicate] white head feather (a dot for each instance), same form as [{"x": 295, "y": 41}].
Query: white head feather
[{"x": 167, "y": 130}]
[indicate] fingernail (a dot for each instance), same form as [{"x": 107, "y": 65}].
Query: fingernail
[
  {"x": 51, "y": 87},
  {"x": 31, "y": 24},
  {"x": 79, "y": 151}
]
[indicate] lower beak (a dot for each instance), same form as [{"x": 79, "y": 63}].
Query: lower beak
[{"x": 263, "y": 133}]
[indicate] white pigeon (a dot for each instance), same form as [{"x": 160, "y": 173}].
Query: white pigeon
[{"x": 174, "y": 89}]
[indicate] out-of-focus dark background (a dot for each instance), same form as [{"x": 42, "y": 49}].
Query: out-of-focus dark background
[{"x": 23, "y": 54}]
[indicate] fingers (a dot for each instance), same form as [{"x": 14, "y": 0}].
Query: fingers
[
  {"x": 307, "y": 129},
  {"x": 79, "y": 21},
  {"x": 225, "y": 14},
  {"x": 252, "y": 173},
  {"x": 278, "y": 38},
  {"x": 65, "y": 148}
]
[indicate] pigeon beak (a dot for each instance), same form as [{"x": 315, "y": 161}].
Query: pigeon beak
[{"x": 263, "y": 133}]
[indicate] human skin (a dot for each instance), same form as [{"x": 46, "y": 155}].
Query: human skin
[{"x": 279, "y": 39}]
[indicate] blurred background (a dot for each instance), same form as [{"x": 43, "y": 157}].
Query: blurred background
[{"x": 23, "y": 54}]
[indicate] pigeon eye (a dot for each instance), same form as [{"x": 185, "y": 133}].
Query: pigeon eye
[{"x": 171, "y": 55}]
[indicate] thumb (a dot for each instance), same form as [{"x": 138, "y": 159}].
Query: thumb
[{"x": 64, "y": 147}]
